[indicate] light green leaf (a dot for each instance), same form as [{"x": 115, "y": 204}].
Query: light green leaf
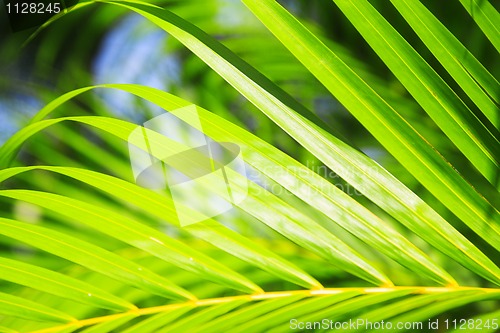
[
  {"x": 154, "y": 323},
  {"x": 244, "y": 315},
  {"x": 345, "y": 309},
  {"x": 460, "y": 298},
  {"x": 22, "y": 308},
  {"x": 305, "y": 231},
  {"x": 422, "y": 82},
  {"x": 162, "y": 207},
  {"x": 202, "y": 317},
  {"x": 467, "y": 71},
  {"x": 304, "y": 214},
  {"x": 7, "y": 330},
  {"x": 486, "y": 17},
  {"x": 396, "y": 134},
  {"x": 401, "y": 307},
  {"x": 443, "y": 181},
  {"x": 91, "y": 256},
  {"x": 319, "y": 193},
  {"x": 295, "y": 310},
  {"x": 58, "y": 284},
  {"x": 301, "y": 229},
  {"x": 110, "y": 325},
  {"x": 136, "y": 234}
]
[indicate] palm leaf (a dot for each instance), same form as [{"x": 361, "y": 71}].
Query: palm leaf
[{"x": 90, "y": 251}]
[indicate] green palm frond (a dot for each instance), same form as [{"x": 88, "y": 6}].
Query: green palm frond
[{"x": 83, "y": 248}]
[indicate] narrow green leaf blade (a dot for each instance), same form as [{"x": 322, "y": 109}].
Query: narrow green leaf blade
[
  {"x": 444, "y": 182},
  {"x": 138, "y": 235},
  {"x": 59, "y": 284},
  {"x": 467, "y": 71},
  {"x": 283, "y": 167},
  {"x": 202, "y": 317},
  {"x": 161, "y": 207},
  {"x": 344, "y": 310},
  {"x": 22, "y": 308},
  {"x": 7, "y": 330},
  {"x": 486, "y": 17},
  {"x": 263, "y": 205},
  {"x": 324, "y": 243},
  {"x": 154, "y": 323},
  {"x": 295, "y": 310},
  {"x": 109, "y": 325},
  {"x": 456, "y": 300},
  {"x": 241, "y": 316},
  {"x": 440, "y": 102},
  {"x": 91, "y": 256},
  {"x": 390, "y": 129},
  {"x": 324, "y": 196},
  {"x": 400, "y": 307}
]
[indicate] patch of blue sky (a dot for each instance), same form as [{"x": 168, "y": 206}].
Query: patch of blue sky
[
  {"x": 134, "y": 52},
  {"x": 16, "y": 110}
]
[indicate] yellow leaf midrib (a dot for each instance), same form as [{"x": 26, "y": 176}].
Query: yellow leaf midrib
[{"x": 414, "y": 290}]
